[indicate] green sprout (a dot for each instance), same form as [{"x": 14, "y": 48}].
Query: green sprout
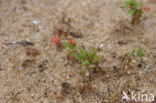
[
  {"x": 134, "y": 55},
  {"x": 140, "y": 53},
  {"x": 132, "y": 4},
  {"x": 134, "y": 10},
  {"x": 88, "y": 60}
]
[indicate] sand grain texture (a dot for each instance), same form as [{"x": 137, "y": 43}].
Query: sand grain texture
[{"x": 41, "y": 74}]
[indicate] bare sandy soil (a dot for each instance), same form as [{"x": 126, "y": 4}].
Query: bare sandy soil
[{"x": 40, "y": 73}]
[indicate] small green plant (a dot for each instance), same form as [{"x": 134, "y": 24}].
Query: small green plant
[
  {"x": 140, "y": 53},
  {"x": 88, "y": 60},
  {"x": 135, "y": 11},
  {"x": 135, "y": 55},
  {"x": 132, "y": 4}
]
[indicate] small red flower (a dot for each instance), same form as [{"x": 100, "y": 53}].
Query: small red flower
[
  {"x": 147, "y": 8},
  {"x": 55, "y": 39},
  {"x": 72, "y": 42}
]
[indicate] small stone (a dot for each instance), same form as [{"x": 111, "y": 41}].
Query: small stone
[
  {"x": 128, "y": 71},
  {"x": 35, "y": 22},
  {"x": 101, "y": 45},
  {"x": 133, "y": 61},
  {"x": 126, "y": 67},
  {"x": 140, "y": 73},
  {"x": 107, "y": 75},
  {"x": 87, "y": 73},
  {"x": 105, "y": 101},
  {"x": 143, "y": 90}
]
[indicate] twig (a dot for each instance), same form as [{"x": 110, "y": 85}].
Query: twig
[{"x": 26, "y": 43}]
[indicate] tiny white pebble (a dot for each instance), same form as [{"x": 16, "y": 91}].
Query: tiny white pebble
[
  {"x": 87, "y": 73},
  {"x": 35, "y": 22},
  {"x": 20, "y": 67},
  {"x": 101, "y": 45},
  {"x": 40, "y": 27}
]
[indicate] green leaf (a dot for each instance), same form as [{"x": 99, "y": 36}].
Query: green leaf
[
  {"x": 75, "y": 47},
  {"x": 145, "y": 18},
  {"x": 86, "y": 62},
  {"x": 129, "y": 54},
  {"x": 76, "y": 56},
  {"x": 133, "y": 2},
  {"x": 92, "y": 53},
  {"x": 69, "y": 46},
  {"x": 83, "y": 54},
  {"x": 82, "y": 71},
  {"x": 133, "y": 52},
  {"x": 103, "y": 69},
  {"x": 96, "y": 59},
  {"x": 140, "y": 53},
  {"x": 69, "y": 54},
  {"x": 91, "y": 66},
  {"x": 136, "y": 4},
  {"x": 127, "y": 3},
  {"x": 131, "y": 11},
  {"x": 124, "y": 5}
]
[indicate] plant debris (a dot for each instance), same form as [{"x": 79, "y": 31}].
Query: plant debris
[
  {"x": 25, "y": 43},
  {"x": 32, "y": 52}
]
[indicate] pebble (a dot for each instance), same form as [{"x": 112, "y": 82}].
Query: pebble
[
  {"x": 87, "y": 73},
  {"x": 35, "y": 22},
  {"x": 128, "y": 71},
  {"x": 133, "y": 61},
  {"x": 105, "y": 101},
  {"x": 107, "y": 75},
  {"x": 101, "y": 45}
]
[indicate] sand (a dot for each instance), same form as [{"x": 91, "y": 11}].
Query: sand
[{"x": 41, "y": 73}]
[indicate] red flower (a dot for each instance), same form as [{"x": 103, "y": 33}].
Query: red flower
[
  {"x": 55, "y": 40},
  {"x": 72, "y": 42},
  {"x": 147, "y": 8}
]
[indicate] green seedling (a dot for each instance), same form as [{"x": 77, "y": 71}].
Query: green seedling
[
  {"x": 140, "y": 53},
  {"x": 134, "y": 10},
  {"x": 135, "y": 55},
  {"x": 88, "y": 60},
  {"x": 132, "y": 4}
]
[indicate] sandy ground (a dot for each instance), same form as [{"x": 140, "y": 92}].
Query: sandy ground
[{"x": 42, "y": 74}]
